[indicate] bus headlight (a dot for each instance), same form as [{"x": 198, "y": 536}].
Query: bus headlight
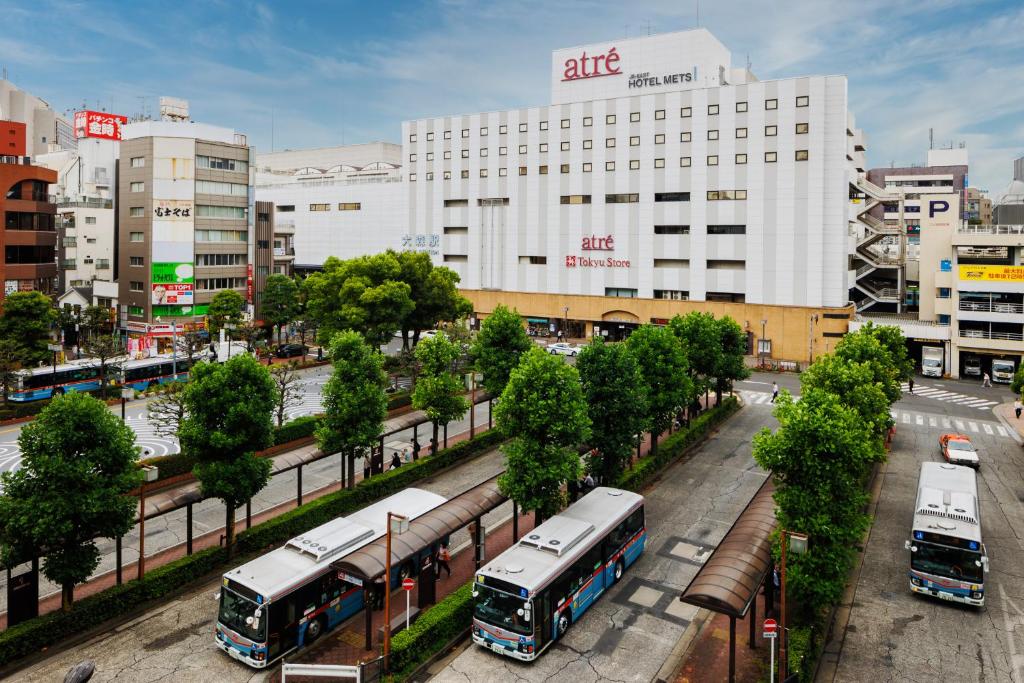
[
  {"x": 914, "y": 580},
  {"x": 976, "y": 595}
]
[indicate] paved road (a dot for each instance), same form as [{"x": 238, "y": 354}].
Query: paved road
[
  {"x": 630, "y": 633},
  {"x": 894, "y": 635}
]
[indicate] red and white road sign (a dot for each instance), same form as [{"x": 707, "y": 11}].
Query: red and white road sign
[
  {"x": 771, "y": 628},
  {"x": 408, "y": 584}
]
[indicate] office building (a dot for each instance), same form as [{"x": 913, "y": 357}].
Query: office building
[
  {"x": 45, "y": 129},
  {"x": 1009, "y": 206},
  {"x": 29, "y": 236},
  {"x": 186, "y": 221},
  {"x": 978, "y": 207}
]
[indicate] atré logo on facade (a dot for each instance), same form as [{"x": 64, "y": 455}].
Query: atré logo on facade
[
  {"x": 596, "y": 244},
  {"x": 586, "y": 66}
]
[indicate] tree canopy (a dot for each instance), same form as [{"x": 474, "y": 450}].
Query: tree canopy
[
  {"x": 354, "y": 402},
  {"x": 228, "y": 408},
  {"x": 433, "y": 290},
  {"x": 544, "y": 411},
  {"x": 225, "y": 308},
  {"x": 26, "y": 319},
  {"x": 616, "y": 399},
  {"x": 280, "y": 304},
  {"x": 662, "y": 361},
  {"x": 438, "y": 391},
  {"x": 498, "y": 348},
  {"x": 78, "y": 465}
]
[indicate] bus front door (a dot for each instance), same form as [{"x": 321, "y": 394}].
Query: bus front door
[{"x": 542, "y": 608}]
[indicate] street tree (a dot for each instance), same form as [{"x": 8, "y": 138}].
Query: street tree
[
  {"x": 856, "y": 386},
  {"x": 434, "y": 291},
  {"x": 166, "y": 409},
  {"x": 354, "y": 401},
  {"x": 225, "y": 308},
  {"x": 26, "y": 319},
  {"x": 819, "y": 458},
  {"x": 439, "y": 390},
  {"x": 543, "y": 410},
  {"x": 701, "y": 340},
  {"x": 95, "y": 321},
  {"x": 280, "y": 302},
  {"x": 105, "y": 348},
  {"x": 866, "y": 346},
  {"x": 892, "y": 339},
  {"x": 10, "y": 363},
  {"x": 193, "y": 343},
  {"x": 731, "y": 366},
  {"x": 364, "y": 294},
  {"x": 616, "y": 400},
  {"x": 78, "y": 466},
  {"x": 287, "y": 392},
  {"x": 1016, "y": 386},
  {"x": 228, "y": 417},
  {"x": 662, "y": 361},
  {"x": 498, "y": 348}
]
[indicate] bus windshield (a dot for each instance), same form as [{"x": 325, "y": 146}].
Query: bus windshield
[
  {"x": 951, "y": 563},
  {"x": 234, "y": 609},
  {"x": 500, "y": 609}
]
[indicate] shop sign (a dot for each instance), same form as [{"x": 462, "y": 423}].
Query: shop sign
[
  {"x": 10, "y": 286},
  {"x": 173, "y": 209},
  {"x": 992, "y": 273},
  {"x": 599, "y": 243},
  {"x": 248, "y": 283},
  {"x": 594, "y": 243},
  {"x": 176, "y": 311},
  {"x": 173, "y": 284},
  {"x": 592, "y": 66},
  {"x": 98, "y": 124},
  {"x": 429, "y": 243}
]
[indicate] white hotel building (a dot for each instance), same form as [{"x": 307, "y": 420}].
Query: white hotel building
[{"x": 659, "y": 180}]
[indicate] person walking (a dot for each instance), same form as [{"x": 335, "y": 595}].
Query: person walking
[
  {"x": 775, "y": 391},
  {"x": 443, "y": 558},
  {"x": 986, "y": 381},
  {"x": 910, "y": 384},
  {"x": 1017, "y": 407}
]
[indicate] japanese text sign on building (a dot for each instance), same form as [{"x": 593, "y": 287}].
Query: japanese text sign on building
[
  {"x": 98, "y": 124},
  {"x": 173, "y": 209},
  {"x": 986, "y": 273}
]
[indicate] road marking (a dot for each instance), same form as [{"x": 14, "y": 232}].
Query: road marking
[
  {"x": 932, "y": 422},
  {"x": 960, "y": 425},
  {"x": 1002, "y": 431},
  {"x": 988, "y": 429},
  {"x": 895, "y": 414},
  {"x": 920, "y": 419},
  {"x": 906, "y": 418},
  {"x": 945, "y": 423},
  {"x": 973, "y": 426}
]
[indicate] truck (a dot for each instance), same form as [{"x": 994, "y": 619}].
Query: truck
[
  {"x": 1002, "y": 371},
  {"x": 931, "y": 361},
  {"x": 972, "y": 366}
]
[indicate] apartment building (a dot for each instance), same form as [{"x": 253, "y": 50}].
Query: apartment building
[
  {"x": 186, "y": 221},
  {"x": 45, "y": 129},
  {"x": 977, "y": 207},
  {"x": 29, "y": 236}
]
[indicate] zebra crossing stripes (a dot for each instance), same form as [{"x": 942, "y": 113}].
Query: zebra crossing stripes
[
  {"x": 760, "y": 397},
  {"x": 950, "y": 396}
]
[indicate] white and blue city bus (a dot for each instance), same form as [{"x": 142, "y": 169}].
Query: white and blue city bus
[
  {"x": 46, "y": 381},
  {"x": 948, "y": 559},
  {"x": 290, "y": 596},
  {"x": 529, "y": 596},
  {"x": 146, "y": 372}
]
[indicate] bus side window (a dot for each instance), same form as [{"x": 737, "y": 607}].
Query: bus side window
[
  {"x": 635, "y": 522},
  {"x": 615, "y": 540}
]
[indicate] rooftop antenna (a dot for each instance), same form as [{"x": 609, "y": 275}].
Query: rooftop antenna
[
  {"x": 648, "y": 28},
  {"x": 5, "y": 73},
  {"x": 931, "y": 138},
  {"x": 271, "y": 130}
]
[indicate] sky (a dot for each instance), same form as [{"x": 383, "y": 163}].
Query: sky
[{"x": 293, "y": 75}]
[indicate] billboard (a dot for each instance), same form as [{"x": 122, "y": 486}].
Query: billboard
[
  {"x": 173, "y": 285},
  {"x": 172, "y": 311},
  {"x": 982, "y": 273},
  {"x": 99, "y": 124}
]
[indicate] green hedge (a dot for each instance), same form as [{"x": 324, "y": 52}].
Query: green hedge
[
  {"x": 41, "y": 632},
  {"x": 298, "y": 428},
  {"x": 801, "y": 653},
  {"x": 674, "y": 446},
  {"x": 399, "y": 399},
  {"x": 435, "y": 628}
]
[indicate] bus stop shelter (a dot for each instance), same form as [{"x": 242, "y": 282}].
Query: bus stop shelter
[
  {"x": 731, "y": 577},
  {"x": 420, "y": 542}
]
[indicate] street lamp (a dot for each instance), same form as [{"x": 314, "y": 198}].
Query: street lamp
[
  {"x": 397, "y": 524},
  {"x": 810, "y": 336},
  {"x": 55, "y": 348},
  {"x": 126, "y": 393},
  {"x": 762, "y": 344},
  {"x": 797, "y": 544}
]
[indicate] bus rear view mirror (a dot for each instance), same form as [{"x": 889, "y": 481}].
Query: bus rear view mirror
[
  {"x": 907, "y": 546},
  {"x": 984, "y": 563},
  {"x": 216, "y": 596}
]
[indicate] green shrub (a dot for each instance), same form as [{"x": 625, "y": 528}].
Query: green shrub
[
  {"x": 399, "y": 399},
  {"x": 171, "y": 465},
  {"x": 298, "y": 428},
  {"x": 435, "y": 628},
  {"x": 802, "y": 654},
  {"x": 41, "y": 632},
  {"x": 675, "y": 445}
]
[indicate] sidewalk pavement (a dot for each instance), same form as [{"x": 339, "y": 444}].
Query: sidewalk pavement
[
  {"x": 1004, "y": 411},
  {"x": 345, "y": 645},
  {"x": 707, "y": 658}
]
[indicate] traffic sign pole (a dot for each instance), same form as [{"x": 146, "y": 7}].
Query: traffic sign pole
[
  {"x": 407, "y": 584},
  {"x": 770, "y": 631}
]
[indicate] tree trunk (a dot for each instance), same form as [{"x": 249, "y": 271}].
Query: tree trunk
[
  {"x": 433, "y": 445},
  {"x": 351, "y": 469},
  {"x": 654, "y": 442},
  {"x": 229, "y": 528},
  {"x": 67, "y": 596},
  {"x": 280, "y": 415},
  {"x": 405, "y": 339}
]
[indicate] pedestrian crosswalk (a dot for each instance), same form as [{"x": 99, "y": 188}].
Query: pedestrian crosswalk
[
  {"x": 907, "y": 417},
  {"x": 950, "y": 396}
]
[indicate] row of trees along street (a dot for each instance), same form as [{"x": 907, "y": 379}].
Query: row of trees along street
[
  {"x": 822, "y": 456},
  {"x": 614, "y": 394},
  {"x": 224, "y": 413}
]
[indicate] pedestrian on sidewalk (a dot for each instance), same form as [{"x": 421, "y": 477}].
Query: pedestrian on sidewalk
[
  {"x": 444, "y": 556},
  {"x": 986, "y": 381},
  {"x": 405, "y": 455},
  {"x": 775, "y": 391},
  {"x": 366, "y": 468},
  {"x": 1017, "y": 407},
  {"x": 396, "y": 461},
  {"x": 588, "y": 483},
  {"x": 378, "y": 592},
  {"x": 910, "y": 383},
  {"x": 415, "y": 449}
]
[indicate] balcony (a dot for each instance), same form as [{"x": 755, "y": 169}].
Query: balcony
[
  {"x": 988, "y": 334},
  {"x": 991, "y": 307},
  {"x": 284, "y": 227},
  {"x": 85, "y": 203},
  {"x": 989, "y": 236},
  {"x": 284, "y": 253}
]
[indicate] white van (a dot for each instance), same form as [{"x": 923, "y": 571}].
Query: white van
[
  {"x": 931, "y": 361},
  {"x": 972, "y": 366}
]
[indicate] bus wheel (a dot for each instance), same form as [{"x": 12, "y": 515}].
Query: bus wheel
[
  {"x": 59, "y": 391},
  {"x": 618, "y": 571},
  {"x": 564, "y": 622},
  {"x": 314, "y": 629}
]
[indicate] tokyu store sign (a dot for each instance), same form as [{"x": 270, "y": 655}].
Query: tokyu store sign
[{"x": 661, "y": 63}]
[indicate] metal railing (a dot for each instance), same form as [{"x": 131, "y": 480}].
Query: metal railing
[
  {"x": 88, "y": 203},
  {"x": 985, "y": 334},
  {"x": 991, "y": 229},
  {"x": 991, "y": 307}
]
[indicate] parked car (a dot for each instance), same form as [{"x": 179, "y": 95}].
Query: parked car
[
  {"x": 291, "y": 350},
  {"x": 563, "y": 349},
  {"x": 957, "y": 449},
  {"x": 972, "y": 366}
]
